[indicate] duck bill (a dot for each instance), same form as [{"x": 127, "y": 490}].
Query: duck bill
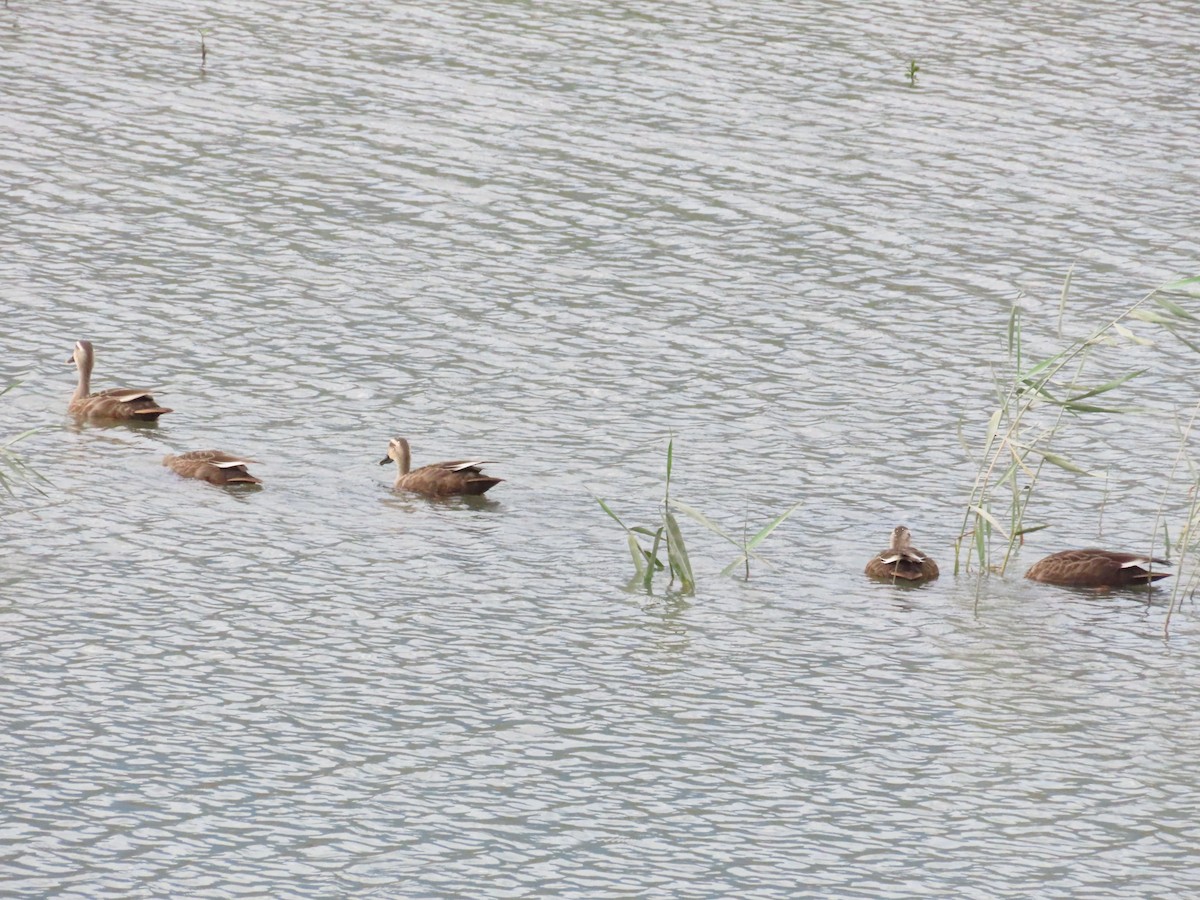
[{"x": 385, "y": 460}]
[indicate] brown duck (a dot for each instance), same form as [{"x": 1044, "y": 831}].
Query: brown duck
[
  {"x": 902, "y": 561},
  {"x": 1097, "y": 569},
  {"x": 441, "y": 479},
  {"x": 115, "y": 403},
  {"x": 212, "y": 466}
]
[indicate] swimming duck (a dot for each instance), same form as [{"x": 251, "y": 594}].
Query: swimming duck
[
  {"x": 902, "y": 561},
  {"x": 212, "y": 466},
  {"x": 1093, "y": 568},
  {"x": 437, "y": 479},
  {"x": 131, "y": 404}
]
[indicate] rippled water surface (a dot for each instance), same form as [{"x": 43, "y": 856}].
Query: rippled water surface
[{"x": 551, "y": 234}]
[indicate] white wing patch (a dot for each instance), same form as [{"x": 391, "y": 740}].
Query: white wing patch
[
  {"x": 468, "y": 464},
  {"x": 130, "y": 396}
]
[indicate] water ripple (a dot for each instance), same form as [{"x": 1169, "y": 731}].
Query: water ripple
[{"x": 551, "y": 235}]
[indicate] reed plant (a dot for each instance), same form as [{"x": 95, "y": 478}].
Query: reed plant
[
  {"x": 1187, "y": 544},
  {"x": 13, "y": 467},
  {"x": 746, "y": 542},
  {"x": 1035, "y": 401},
  {"x": 667, "y": 551}
]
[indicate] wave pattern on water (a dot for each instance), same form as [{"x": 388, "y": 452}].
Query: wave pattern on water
[{"x": 549, "y": 234}]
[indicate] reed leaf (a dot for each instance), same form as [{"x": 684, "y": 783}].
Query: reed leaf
[
  {"x": 639, "y": 556},
  {"x": 648, "y": 578},
  {"x": 1149, "y": 315},
  {"x": 991, "y": 520},
  {"x": 20, "y": 437},
  {"x": 1030, "y": 529},
  {"x": 693, "y": 513},
  {"x": 1039, "y": 388},
  {"x": 1040, "y": 367},
  {"x": 1092, "y": 408},
  {"x": 11, "y": 460},
  {"x": 763, "y": 533},
  {"x": 1193, "y": 347},
  {"x": 1131, "y": 336},
  {"x": 604, "y": 506},
  {"x": 1107, "y": 386},
  {"x": 1183, "y": 286},
  {"x": 1062, "y": 297},
  {"x": 992, "y": 427},
  {"x": 1174, "y": 309},
  {"x": 681, "y": 566},
  {"x": 1019, "y": 458},
  {"x": 1063, "y": 463},
  {"x": 1010, "y": 473}
]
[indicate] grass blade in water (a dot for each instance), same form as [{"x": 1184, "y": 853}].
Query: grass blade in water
[
  {"x": 677, "y": 553},
  {"x": 1174, "y": 308},
  {"x": 1131, "y": 337},
  {"x": 1184, "y": 286},
  {"x": 1021, "y": 532},
  {"x": 1107, "y": 386},
  {"x": 979, "y": 511},
  {"x": 693, "y": 513},
  {"x": 1149, "y": 315},
  {"x": 1063, "y": 463},
  {"x": 639, "y": 556},
  {"x": 604, "y": 506},
  {"x": 648, "y": 581},
  {"x": 766, "y": 530}
]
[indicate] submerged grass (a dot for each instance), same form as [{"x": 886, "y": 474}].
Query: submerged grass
[
  {"x": 13, "y": 467},
  {"x": 666, "y": 536},
  {"x": 666, "y": 539}
]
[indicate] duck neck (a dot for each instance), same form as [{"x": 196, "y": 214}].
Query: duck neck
[
  {"x": 403, "y": 457},
  {"x": 83, "y": 362}
]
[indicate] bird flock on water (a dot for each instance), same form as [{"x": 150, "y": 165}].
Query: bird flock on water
[{"x": 901, "y": 562}]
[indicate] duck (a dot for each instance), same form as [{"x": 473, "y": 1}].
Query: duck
[
  {"x": 440, "y": 479},
  {"x": 129, "y": 404},
  {"x": 213, "y": 466},
  {"x": 902, "y": 561},
  {"x": 1092, "y": 568}
]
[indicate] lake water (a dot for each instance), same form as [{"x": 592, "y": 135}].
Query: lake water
[{"x": 554, "y": 234}]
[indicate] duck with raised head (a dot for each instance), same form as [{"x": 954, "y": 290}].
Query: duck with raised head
[
  {"x": 1092, "y": 568},
  {"x": 901, "y": 561},
  {"x": 213, "y": 466},
  {"x": 442, "y": 479},
  {"x": 130, "y": 404}
]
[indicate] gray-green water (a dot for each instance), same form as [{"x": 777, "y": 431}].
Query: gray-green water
[{"x": 550, "y": 234}]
